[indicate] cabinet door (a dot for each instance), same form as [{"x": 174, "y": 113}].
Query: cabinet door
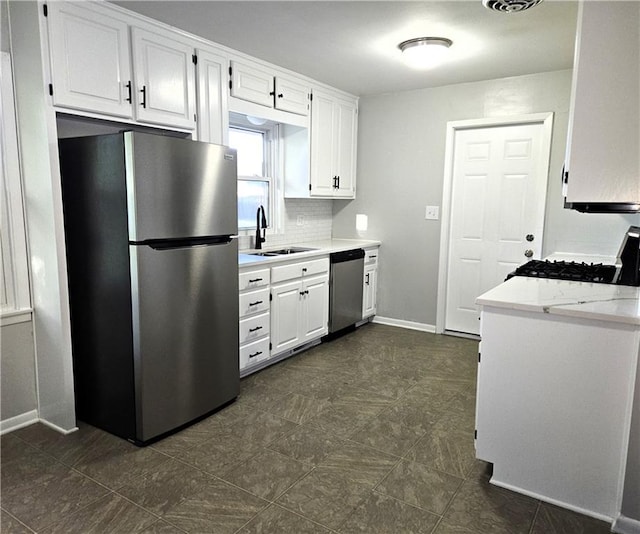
[
  {"x": 345, "y": 139},
  {"x": 603, "y": 158},
  {"x": 90, "y": 64},
  {"x": 315, "y": 308},
  {"x": 369, "y": 291},
  {"x": 213, "y": 113},
  {"x": 322, "y": 145},
  {"x": 165, "y": 80},
  {"x": 292, "y": 96},
  {"x": 250, "y": 82},
  {"x": 285, "y": 308}
]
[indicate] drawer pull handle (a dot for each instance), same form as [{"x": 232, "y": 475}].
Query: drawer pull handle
[
  {"x": 255, "y": 280},
  {"x": 255, "y": 329},
  {"x": 372, "y": 257},
  {"x": 255, "y": 354},
  {"x": 255, "y": 303}
]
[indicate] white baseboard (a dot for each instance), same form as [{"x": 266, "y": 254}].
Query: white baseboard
[
  {"x": 556, "y": 502},
  {"x": 57, "y": 428},
  {"x": 405, "y": 324},
  {"x": 29, "y": 418},
  {"x": 18, "y": 421},
  {"x": 626, "y": 525}
]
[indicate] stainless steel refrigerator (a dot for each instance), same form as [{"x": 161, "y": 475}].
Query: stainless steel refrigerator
[{"x": 150, "y": 227}]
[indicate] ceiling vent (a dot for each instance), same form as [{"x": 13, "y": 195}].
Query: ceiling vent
[{"x": 509, "y": 6}]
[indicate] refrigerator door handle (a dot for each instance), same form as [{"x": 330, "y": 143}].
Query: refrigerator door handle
[{"x": 191, "y": 242}]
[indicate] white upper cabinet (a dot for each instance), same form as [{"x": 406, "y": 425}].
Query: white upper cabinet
[
  {"x": 258, "y": 84},
  {"x": 333, "y": 145},
  {"x": 101, "y": 64},
  {"x": 165, "y": 79},
  {"x": 213, "y": 117},
  {"x": 90, "y": 63},
  {"x": 603, "y": 159},
  {"x": 251, "y": 83},
  {"x": 291, "y": 95}
]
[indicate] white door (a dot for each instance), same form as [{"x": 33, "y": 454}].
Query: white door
[
  {"x": 213, "y": 113},
  {"x": 498, "y": 195},
  {"x": 165, "y": 80},
  {"x": 345, "y": 139},
  {"x": 369, "y": 291},
  {"x": 292, "y": 96},
  {"x": 285, "y": 310},
  {"x": 315, "y": 308},
  {"x": 89, "y": 59},
  {"x": 252, "y": 83},
  {"x": 322, "y": 145}
]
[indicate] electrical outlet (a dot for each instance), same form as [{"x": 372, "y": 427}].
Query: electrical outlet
[
  {"x": 300, "y": 220},
  {"x": 432, "y": 213}
]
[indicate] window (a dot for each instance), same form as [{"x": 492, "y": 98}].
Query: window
[
  {"x": 14, "y": 274},
  {"x": 255, "y": 171}
]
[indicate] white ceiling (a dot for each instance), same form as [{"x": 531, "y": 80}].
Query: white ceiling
[{"x": 353, "y": 45}]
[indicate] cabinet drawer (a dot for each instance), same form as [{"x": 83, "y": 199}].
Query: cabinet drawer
[
  {"x": 299, "y": 270},
  {"x": 254, "y": 279},
  {"x": 253, "y": 353},
  {"x": 254, "y": 302},
  {"x": 371, "y": 256},
  {"x": 253, "y": 328}
]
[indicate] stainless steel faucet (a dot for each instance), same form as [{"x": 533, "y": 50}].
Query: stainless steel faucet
[{"x": 261, "y": 227}]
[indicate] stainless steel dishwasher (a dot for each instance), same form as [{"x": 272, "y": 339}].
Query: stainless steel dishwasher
[{"x": 345, "y": 293}]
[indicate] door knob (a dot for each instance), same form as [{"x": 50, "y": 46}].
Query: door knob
[
  {"x": 530, "y": 237},
  {"x": 528, "y": 253}
]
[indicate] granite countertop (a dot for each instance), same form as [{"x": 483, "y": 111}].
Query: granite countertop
[
  {"x": 602, "y": 302},
  {"x": 321, "y": 248}
]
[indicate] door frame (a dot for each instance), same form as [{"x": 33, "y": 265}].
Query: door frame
[{"x": 546, "y": 119}]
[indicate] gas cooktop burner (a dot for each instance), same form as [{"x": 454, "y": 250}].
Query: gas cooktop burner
[{"x": 567, "y": 270}]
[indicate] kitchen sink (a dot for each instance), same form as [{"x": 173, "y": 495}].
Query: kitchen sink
[{"x": 282, "y": 251}]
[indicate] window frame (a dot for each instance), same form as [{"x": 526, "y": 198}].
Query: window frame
[
  {"x": 16, "y": 302},
  {"x": 271, "y": 174}
]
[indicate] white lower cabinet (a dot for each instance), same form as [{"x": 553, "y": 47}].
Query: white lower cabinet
[
  {"x": 554, "y": 404},
  {"x": 281, "y": 308},
  {"x": 255, "y": 323},
  {"x": 299, "y": 305},
  {"x": 370, "y": 283}
]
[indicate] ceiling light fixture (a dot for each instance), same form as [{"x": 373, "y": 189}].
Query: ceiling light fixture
[
  {"x": 509, "y": 6},
  {"x": 425, "y": 52}
]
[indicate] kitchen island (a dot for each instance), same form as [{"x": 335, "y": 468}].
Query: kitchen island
[{"x": 556, "y": 379}]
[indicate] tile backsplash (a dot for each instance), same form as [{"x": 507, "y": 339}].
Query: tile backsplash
[{"x": 316, "y": 217}]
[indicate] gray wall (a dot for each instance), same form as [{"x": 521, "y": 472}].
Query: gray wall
[
  {"x": 401, "y": 148},
  {"x": 17, "y": 367}
]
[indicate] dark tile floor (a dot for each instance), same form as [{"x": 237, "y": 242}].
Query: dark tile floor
[{"x": 371, "y": 433}]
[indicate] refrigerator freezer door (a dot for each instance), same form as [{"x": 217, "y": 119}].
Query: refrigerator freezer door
[
  {"x": 185, "y": 330},
  {"x": 179, "y": 188}
]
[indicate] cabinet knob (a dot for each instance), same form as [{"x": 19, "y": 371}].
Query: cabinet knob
[
  {"x": 280, "y": 95},
  {"x": 528, "y": 253}
]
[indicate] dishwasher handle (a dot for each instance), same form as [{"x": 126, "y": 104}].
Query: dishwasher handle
[{"x": 346, "y": 255}]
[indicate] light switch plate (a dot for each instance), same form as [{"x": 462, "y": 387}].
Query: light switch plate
[
  {"x": 300, "y": 220},
  {"x": 432, "y": 213}
]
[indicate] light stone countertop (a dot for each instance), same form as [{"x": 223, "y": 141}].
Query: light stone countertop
[
  {"x": 600, "y": 302},
  {"x": 321, "y": 248}
]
